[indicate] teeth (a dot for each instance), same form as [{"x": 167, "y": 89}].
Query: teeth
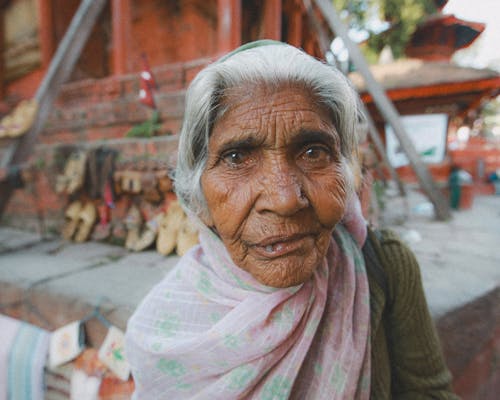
[{"x": 269, "y": 248}]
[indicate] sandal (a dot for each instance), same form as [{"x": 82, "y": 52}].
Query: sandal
[
  {"x": 164, "y": 181},
  {"x": 149, "y": 185},
  {"x": 133, "y": 222},
  {"x": 149, "y": 234},
  {"x": 187, "y": 237},
  {"x": 23, "y": 117},
  {"x": 77, "y": 172},
  {"x": 71, "y": 223},
  {"x": 169, "y": 228},
  {"x": 87, "y": 219}
]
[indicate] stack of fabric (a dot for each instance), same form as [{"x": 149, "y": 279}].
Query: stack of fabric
[{"x": 23, "y": 355}]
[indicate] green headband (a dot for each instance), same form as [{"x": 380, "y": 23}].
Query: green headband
[{"x": 251, "y": 45}]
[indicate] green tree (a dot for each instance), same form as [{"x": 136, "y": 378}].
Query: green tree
[{"x": 403, "y": 16}]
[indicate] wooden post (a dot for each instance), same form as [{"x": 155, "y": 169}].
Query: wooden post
[
  {"x": 228, "y": 25},
  {"x": 58, "y": 72},
  {"x": 272, "y": 19},
  {"x": 387, "y": 109},
  {"x": 120, "y": 21}
]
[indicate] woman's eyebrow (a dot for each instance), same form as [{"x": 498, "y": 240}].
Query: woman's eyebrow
[
  {"x": 312, "y": 136},
  {"x": 242, "y": 143}
]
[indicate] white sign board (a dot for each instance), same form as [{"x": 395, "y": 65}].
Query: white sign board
[{"x": 427, "y": 133}]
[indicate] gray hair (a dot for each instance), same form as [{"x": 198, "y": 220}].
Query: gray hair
[{"x": 271, "y": 65}]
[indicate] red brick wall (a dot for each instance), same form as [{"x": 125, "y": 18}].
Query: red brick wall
[
  {"x": 89, "y": 112},
  {"x": 170, "y": 31},
  {"x": 471, "y": 343}
]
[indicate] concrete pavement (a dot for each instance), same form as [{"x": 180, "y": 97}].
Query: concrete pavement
[{"x": 460, "y": 261}]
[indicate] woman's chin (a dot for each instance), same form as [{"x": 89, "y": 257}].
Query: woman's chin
[{"x": 284, "y": 273}]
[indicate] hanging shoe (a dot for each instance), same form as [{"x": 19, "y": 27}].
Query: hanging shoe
[
  {"x": 23, "y": 117},
  {"x": 133, "y": 222},
  {"x": 87, "y": 218},
  {"x": 187, "y": 237},
  {"x": 76, "y": 171},
  {"x": 169, "y": 228},
  {"x": 150, "y": 233},
  {"x": 71, "y": 220}
]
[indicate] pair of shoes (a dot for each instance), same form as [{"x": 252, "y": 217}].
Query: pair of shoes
[
  {"x": 176, "y": 231},
  {"x": 20, "y": 120},
  {"x": 149, "y": 234},
  {"x": 73, "y": 176},
  {"x": 79, "y": 221}
]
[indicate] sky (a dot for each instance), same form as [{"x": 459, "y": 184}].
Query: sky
[{"x": 485, "y": 51}]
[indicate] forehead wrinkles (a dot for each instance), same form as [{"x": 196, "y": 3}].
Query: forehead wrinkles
[{"x": 261, "y": 111}]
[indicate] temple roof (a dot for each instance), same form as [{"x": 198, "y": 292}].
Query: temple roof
[
  {"x": 408, "y": 73},
  {"x": 440, "y": 35},
  {"x": 417, "y": 86}
]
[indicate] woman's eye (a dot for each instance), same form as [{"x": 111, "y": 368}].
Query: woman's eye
[
  {"x": 234, "y": 157},
  {"x": 317, "y": 154}
]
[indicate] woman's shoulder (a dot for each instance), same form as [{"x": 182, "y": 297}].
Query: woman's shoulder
[{"x": 398, "y": 271}]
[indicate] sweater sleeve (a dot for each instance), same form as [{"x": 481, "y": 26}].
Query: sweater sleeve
[{"x": 417, "y": 363}]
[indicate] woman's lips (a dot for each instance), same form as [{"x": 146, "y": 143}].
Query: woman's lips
[{"x": 283, "y": 245}]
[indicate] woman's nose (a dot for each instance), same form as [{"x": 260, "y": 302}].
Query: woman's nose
[{"x": 281, "y": 191}]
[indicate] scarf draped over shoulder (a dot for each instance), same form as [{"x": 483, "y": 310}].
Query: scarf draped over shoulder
[{"x": 209, "y": 330}]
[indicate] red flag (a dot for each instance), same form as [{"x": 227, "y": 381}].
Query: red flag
[
  {"x": 146, "y": 72},
  {"x": 147, "y": 84},
  {"x": 146, "y": 94}
]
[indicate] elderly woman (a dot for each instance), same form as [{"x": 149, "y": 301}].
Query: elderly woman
[{"x": 279, "y": 301}]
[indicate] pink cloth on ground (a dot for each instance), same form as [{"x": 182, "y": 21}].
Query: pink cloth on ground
[{"x": 8, "y": 330}]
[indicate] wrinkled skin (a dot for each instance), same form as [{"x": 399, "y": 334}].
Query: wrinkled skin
[{"x": 273, "y": 183}]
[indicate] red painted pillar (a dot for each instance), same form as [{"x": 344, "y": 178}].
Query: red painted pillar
[
  {"x": 46, "y": 34},
  {"x": 120, "y": 17},
  {"x": 295, "y": 27},
  {"x": 228, "y": 25},
  {"x": 272, "y": 19}
]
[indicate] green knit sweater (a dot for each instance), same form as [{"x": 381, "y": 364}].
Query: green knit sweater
[{"x": 407, "y": 361}]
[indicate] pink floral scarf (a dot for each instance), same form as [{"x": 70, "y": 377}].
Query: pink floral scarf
[{"x": 209, "y": 330}]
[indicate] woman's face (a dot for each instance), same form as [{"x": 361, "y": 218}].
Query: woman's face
[{"x": 274, "y": 183}]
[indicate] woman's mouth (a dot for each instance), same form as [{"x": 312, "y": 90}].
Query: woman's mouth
[{"x": 282, "y": 245}]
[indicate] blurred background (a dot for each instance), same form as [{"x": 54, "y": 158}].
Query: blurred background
[{"x": 91, "y": 105}]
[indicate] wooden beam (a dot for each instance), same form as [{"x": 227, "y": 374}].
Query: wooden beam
[
  {"x": 121, "y": 15},
  {"x": 379, "y": 146},
  {"x": 439, "y": 90},
  {"x": 372, "y": 129},
  {"x": 441, "y": 208},
  {"x": 58, "y": 72}
]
